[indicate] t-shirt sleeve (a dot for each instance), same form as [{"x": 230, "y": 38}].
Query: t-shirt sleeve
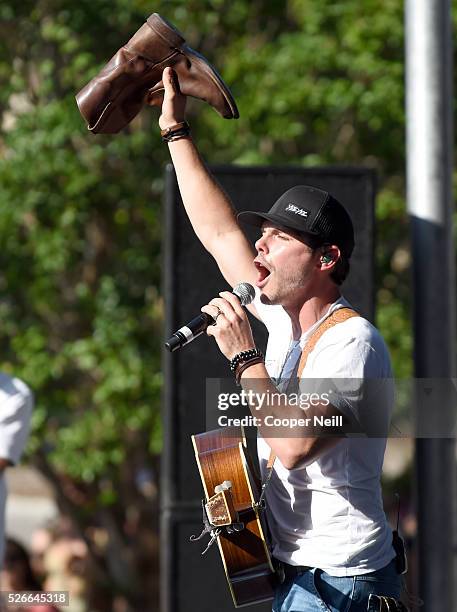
[
  {"x": 354, "y": 371},
  {"x": 15, "y": 412}
]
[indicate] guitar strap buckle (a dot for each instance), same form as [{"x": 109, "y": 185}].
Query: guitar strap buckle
[{"x": 261, "y": 505}]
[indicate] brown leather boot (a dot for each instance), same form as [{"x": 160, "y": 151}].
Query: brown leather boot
[{"x": 133, "y": 78}]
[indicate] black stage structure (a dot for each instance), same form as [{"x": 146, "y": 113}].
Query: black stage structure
[{"x": 191, "y": 278}]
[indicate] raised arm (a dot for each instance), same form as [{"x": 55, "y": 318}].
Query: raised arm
[{"x": 209, "y": 209}]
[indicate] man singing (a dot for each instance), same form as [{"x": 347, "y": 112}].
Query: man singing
[{"x": 324, "y": 500}]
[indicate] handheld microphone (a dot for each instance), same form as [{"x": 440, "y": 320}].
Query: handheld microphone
[{"x": 243, "y": 291}]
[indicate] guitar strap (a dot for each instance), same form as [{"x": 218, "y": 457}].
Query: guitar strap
[{"x": 338, "y": 316}]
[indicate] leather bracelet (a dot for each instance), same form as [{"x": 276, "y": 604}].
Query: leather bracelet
[
  {"x": 244, "y": 356},
  {"x": 244, "y": 366},
  {"x": 177, "y": 135},
  {"x": 175, "y": 132}
]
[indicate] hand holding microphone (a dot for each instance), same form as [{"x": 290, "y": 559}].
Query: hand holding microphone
[{"x": 244, "y": 293}]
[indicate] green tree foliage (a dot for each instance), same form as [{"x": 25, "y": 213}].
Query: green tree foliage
[{"x": 318, "y": 82}]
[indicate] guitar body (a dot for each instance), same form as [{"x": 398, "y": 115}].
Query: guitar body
[{"x": 222, "y": 456}]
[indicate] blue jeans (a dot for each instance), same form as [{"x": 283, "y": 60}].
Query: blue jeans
[{"x": 314, "y": 590}]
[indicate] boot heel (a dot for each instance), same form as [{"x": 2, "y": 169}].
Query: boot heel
[
  {"x": 146, "y": 43},
  {"x": 165, "y": 30}
]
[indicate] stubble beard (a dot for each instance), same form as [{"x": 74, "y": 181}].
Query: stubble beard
[{"x": 289, "y": 288}]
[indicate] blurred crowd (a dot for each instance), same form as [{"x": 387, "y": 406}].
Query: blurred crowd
[{"x": 56, "y": 559}]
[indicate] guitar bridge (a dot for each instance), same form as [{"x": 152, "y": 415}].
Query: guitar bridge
[
  {"x": 220, "y": 507},
  {"x": 218, "y": 512}
]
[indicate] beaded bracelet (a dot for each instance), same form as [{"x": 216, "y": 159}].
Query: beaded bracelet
[{"x": 244, "y": 356}]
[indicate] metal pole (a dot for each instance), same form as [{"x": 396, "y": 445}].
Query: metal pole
[{"x": 429, "y": 193}]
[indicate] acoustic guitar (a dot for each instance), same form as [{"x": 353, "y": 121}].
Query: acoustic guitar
[{"x": 234, "y": 516}]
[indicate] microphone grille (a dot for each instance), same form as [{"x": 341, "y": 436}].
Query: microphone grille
[{"x": 245, "y": 292}]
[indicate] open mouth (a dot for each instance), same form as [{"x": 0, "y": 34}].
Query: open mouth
[{"x": 263, "y": 273}]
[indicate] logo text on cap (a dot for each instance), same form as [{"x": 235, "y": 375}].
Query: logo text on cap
[{"x": 297, "y": 211}]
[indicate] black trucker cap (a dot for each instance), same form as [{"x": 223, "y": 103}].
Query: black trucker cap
[{"x": 309, "y": 210}]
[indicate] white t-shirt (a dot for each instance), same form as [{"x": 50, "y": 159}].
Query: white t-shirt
[
  {"x": 16, "y": 403},
  {"x": 329, "y": 514}
]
